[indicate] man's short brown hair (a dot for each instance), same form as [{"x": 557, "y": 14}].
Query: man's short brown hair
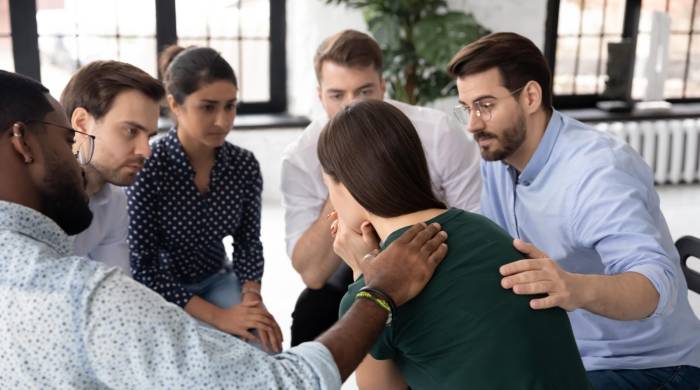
[
  {"x": 349, "y": 48},
  {"x": 95, "y": 86},
  {"x": 518, "y": 61}
]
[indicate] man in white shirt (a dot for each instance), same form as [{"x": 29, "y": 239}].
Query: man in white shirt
[
  {"x": 348, "y": 66},
  {"x": 118, "y": 103}
]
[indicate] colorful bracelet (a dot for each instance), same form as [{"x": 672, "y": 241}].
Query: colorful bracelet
[
  {"x": 379, "y": 301},
  {"x": 381, "y": 294}
]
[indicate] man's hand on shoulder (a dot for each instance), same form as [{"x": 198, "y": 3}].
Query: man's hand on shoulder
[{"x": 404, "y": 268}]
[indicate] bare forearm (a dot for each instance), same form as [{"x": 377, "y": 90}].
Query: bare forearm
[
  {"x": 313, "y": 255},
  {"x": 351, "y": 337},
  {"x": 626, "y": 296},
  {"x": 202, "y": 310}
]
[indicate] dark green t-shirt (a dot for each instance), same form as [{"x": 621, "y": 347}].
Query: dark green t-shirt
[{"x": 464, "y": 331}]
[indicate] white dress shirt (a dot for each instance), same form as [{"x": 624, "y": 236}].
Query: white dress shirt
[
  {"x": 453, "y": 162},
  {"x": 105, "y": 240}
]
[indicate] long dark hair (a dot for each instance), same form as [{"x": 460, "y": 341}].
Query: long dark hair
[
  {"x": 373, "y": 149},
  {"x": 184, "y": 71}
]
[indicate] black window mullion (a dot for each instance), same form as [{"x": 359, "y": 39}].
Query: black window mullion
[
  {"x": 166, "y": 29},
  {"x": 550, "y": 43},
  {"x": 25, "y": 42},
  {"x": 278, "y": 56}
]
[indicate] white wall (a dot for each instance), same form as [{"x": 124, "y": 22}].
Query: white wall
[{"x": 310, "y": 21}]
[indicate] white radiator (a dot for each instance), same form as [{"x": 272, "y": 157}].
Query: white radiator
[{"x": 670, "y": 147}]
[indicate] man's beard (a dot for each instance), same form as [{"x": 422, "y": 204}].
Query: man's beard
[
  {"x": 115, "y": 176},
  {"x": 509, "y": 141},
  {"x": 63, "y": 200}
]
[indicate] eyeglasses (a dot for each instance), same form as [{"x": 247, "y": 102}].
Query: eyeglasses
[
  {"x": 482, "y": 108},
  {"x": 84, "y": 145}
]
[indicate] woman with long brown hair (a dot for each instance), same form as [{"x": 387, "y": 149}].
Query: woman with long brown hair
[{"x": 464, "y": 330}]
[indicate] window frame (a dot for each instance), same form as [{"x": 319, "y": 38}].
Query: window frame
[
  {"x": 630, "y": 30},
  {"x": 25, "y": 47}
]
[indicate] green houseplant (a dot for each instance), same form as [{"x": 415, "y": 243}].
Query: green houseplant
[{"x": 418, "y": 38}]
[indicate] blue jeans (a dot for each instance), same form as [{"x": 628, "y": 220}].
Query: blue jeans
[
  {"x": 665, "y": 378},
  {"x": 221, "y": 289}
]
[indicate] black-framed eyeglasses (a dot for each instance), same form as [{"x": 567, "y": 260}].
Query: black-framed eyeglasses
[
  {"x": 84, "y": 145},
  {"x": 482, "y": 108}
]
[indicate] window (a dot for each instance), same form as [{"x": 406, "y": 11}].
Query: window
[
  {"x": 73, "y": 33},
  {"x": 578, "y": 32},
  {"x": 6, "y": 58},
  {"x": 70, "y": 33},
  {"x": 232, "y": 28}
]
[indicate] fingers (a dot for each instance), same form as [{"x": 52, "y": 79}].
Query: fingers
[
  {"x": 274, "y": 339},
  {"x": 525, "y": 277},
  {"x": 528, "y": 249},
  {"x": 264, "y": 336},
  {"x": 429, "y": 247},
  {"x": 544, "y": 303},
  {"x": 521, "y": 266},
  {"x": 426, "y": 234},
  {"x": 244, "y": 334},
  {"x": 409, "y": 234},
  {"x": 438, "y": 255},
  {"x": 542, "y": 287}
]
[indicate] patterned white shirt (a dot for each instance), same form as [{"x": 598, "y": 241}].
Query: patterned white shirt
[{"x": 71, "y": 323}]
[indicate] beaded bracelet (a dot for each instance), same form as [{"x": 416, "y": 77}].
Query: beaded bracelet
[
  {"x": 381, "y": 294},
  {"x": 381, "y": 302}
]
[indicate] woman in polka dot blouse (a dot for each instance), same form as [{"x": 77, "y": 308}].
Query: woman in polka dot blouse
[{"x": 195, "y": 190}]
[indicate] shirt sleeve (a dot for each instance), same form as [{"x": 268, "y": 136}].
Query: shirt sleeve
[
  {"x": 614, "y": 213},
  {"x": 145, "y": 236},
  {"x": 301, "y": 198},
  {"x": 458, "y": 158},
  {"x": 134, "y": 339},
  {"x": 113, "y": 250},
  {"x": 248, "y": 261}
]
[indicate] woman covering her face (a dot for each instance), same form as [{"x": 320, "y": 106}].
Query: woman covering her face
[
  {"x": 194, "y": 191},
  {"x": 464, "y": 330}
]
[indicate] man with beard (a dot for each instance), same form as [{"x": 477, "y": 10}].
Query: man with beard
[
  {"x": 587, "y": 200},
  {"x": 118, "y": 103},
  {"x": 69, "y": 322}
]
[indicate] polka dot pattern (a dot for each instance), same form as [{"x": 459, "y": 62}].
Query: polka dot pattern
[
  {"x": 71, "y": 323},
  {"x": 176, "y": 232}
]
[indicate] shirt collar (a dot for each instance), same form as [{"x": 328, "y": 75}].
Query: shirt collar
[
  {"x": 29, "y": 222},
  {"x": 175, "y": 149},
  {"x": 101, "y": 197},
  {"x": 544, "y": 150}
]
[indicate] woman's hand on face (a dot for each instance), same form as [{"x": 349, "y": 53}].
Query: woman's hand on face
[{"x": 350, "y": 245}]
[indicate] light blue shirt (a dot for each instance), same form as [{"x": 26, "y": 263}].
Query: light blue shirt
[
  {"x": 587, "y": 200},
  {"x": 71, "y": 323},
  {"x": 105, "y": 239}
]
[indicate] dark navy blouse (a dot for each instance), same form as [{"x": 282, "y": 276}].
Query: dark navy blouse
[{"x": 176, "y": 232}]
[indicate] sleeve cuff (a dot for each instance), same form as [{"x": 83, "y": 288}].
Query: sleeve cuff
[
  {"x": 663, "y": 283},
  {"x": 321, "y": 361}
]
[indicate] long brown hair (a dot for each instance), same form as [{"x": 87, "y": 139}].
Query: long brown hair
[{"x": 373, "y": 149}]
